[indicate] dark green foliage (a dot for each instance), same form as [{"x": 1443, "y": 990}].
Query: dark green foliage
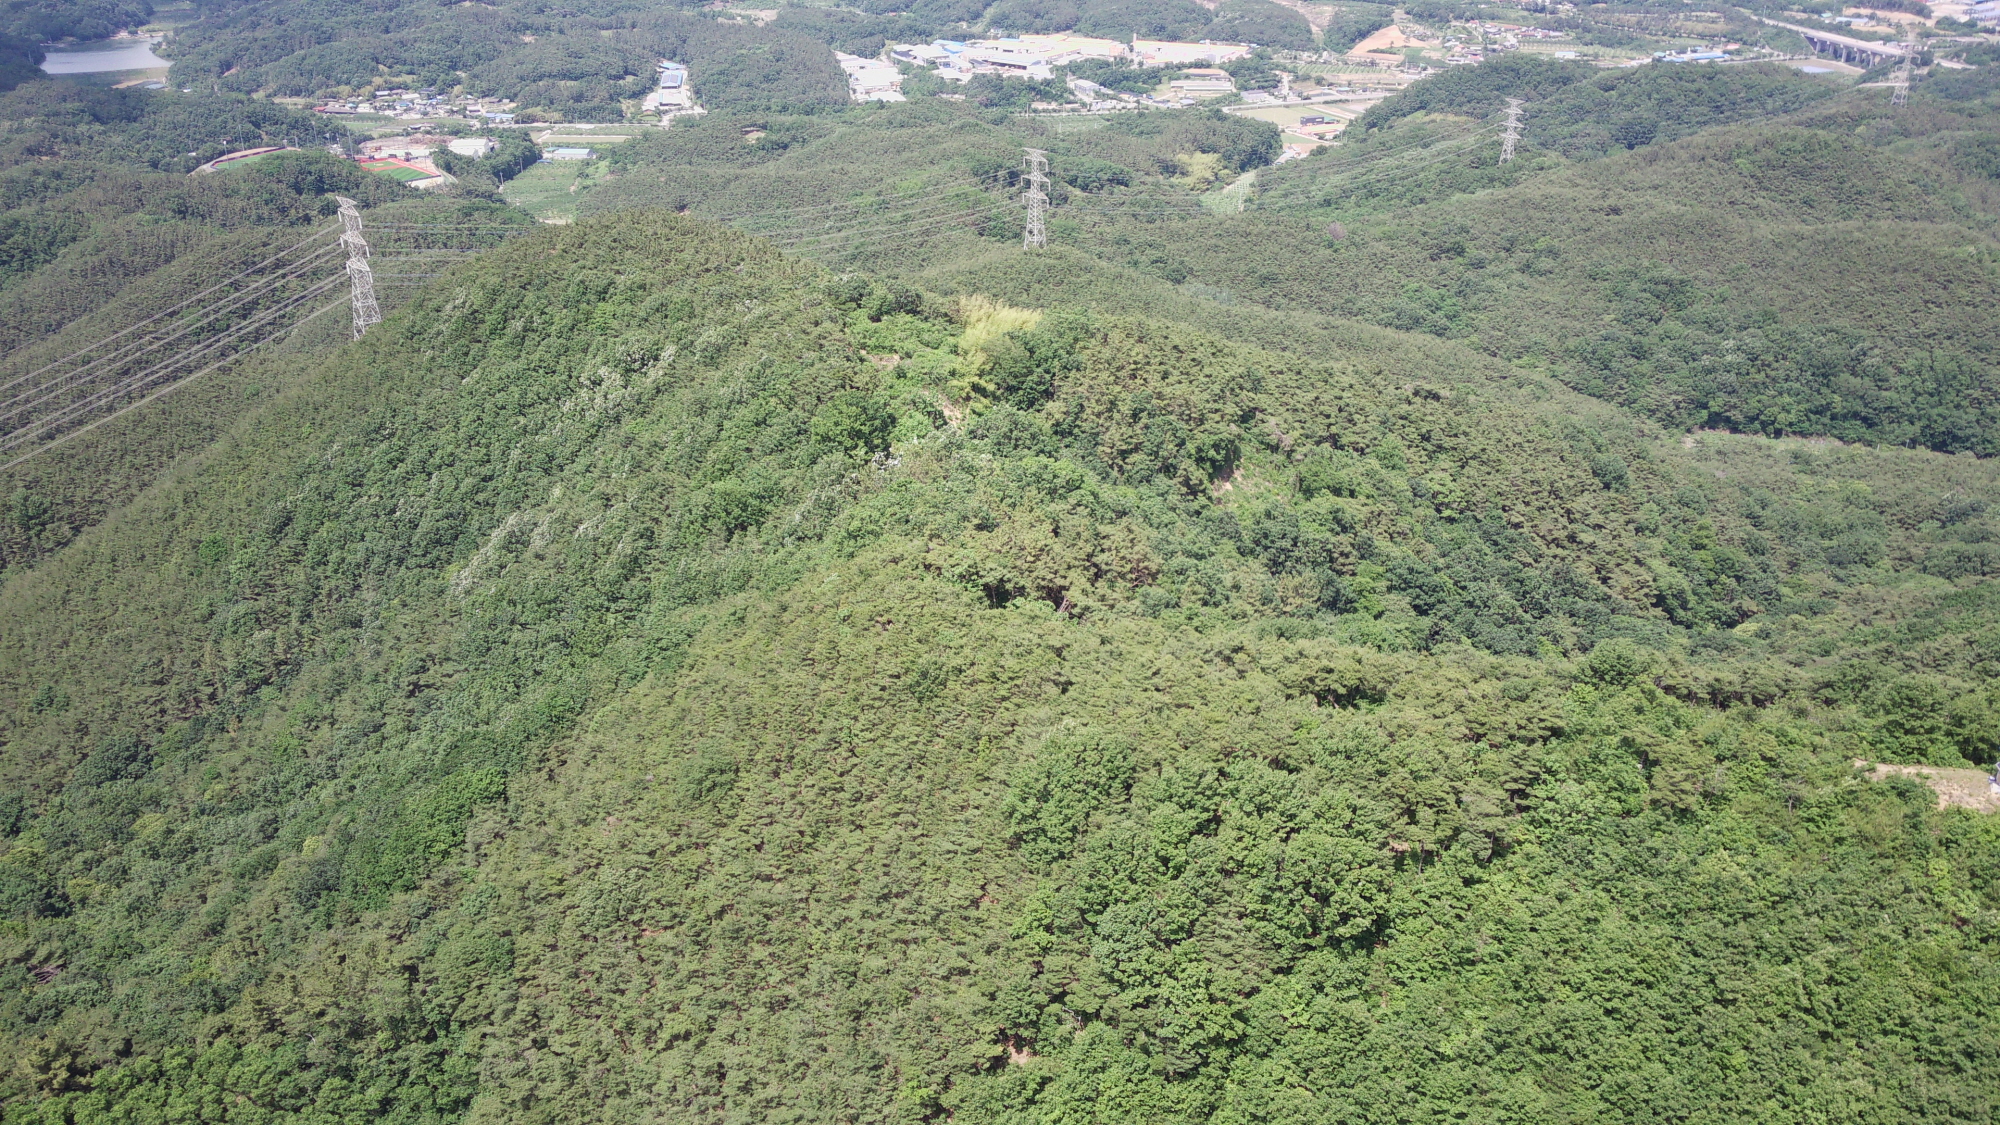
[
  {"x": 651, "y": 678},
  {"x": 1148, "y": 19},
  {"x": 424, "y": 831},
  {"x": 515, "y": 153},
  {"x": 1978, "y": 155},
  {"x": 1480, "y": 91},
  {"x": 1662, "y": 103},
  {"x": 118, "y": 759},
  {"x": 38, "y": 21},
  {"x": 1243, "y": 143},
  {"x": 1026, "y": 366},
  {"x": 1810, "y": 347},
  {"x": 30, "y": 238},
  {"x": 1253, "y": 73},
  {"x": 1121, "y": 74},
  {"x": 1187, "y": 727},
  {"x": 166, "y": 132},
  {"x": 1020, "y": 16},
  {"x": 1351, "y": 23},
  {"x": 991, "y": 91},
  {"x": 559, "y": 64},
  {"x": 103, "y": 230},
  {"x": 1963, "y": 86},
  {"x": 792, "y": 75},
  {"x": 283, "y": 189},
  {"x": 858, "y": 34},
  {"x": 854, "y": 424},
  {"x": 1611, "y": 469},
  {"x": 1579, "y": 111},
  {"x": 1053, "y": 794},
  {"x": 1262, "y": 23},
  {"x": 1089, "y": 174},
  {"x": 20, "y": 61}
]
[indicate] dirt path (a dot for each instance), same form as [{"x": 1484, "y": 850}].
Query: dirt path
[
  {"x": 1967, "y": 789},
  {"x": 1317, "y": 15}
]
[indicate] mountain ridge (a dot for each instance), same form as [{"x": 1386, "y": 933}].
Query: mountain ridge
[{"x": 607, "y": 690}]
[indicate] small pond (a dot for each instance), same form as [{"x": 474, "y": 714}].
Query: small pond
[{"x": 103, "y": 55}]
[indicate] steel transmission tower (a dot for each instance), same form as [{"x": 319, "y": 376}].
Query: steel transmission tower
[
  {"x": 1036, "y": 236},
  {"x": 1901, "y": 82},
  {"x": 360, "y": 277},
  {"x": 1513, "y": 133}
]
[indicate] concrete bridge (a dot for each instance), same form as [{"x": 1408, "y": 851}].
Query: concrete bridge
[{"x": 1860, "y": 52}]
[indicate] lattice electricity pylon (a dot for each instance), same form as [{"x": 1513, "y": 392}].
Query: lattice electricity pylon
[
  {"x": 1036, "y": 235},
  {"x": 360, "y": 276},
  {"x": 1513, "y": 133},
  {"x": 1901, "y": 94}
]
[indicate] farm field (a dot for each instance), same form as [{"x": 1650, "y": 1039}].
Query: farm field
[{"x": 548, "y": 189}]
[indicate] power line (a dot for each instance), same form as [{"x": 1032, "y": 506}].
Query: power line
[
  {"x": 138, "y": 348},
  {"x": 163, "y": 391},
  {"x": 921, "y": 212},
  {"x": 137, "y": 382},
  {"x": 1513, "y": 133},
  {"x": 978, "y": 183},
  {"x": 171, "y": 310},
  {"x": 959, "y": 218},
  {"x": 929, "y": 194}
]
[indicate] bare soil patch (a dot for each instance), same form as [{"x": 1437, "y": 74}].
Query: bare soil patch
[{"x": 1967, "y": 789}]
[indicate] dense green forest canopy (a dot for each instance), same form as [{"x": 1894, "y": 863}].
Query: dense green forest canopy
[
  {"x": 1303, "y": 647},
  {"x": 572, "y": 65},
  {"x": 48, "y": 20},
  {"x": 1580, "y": 111},
  {"x": 101, "y": 229},
  {"x": 1158, "y": 728},
  {"x": 1724, "y": 271}
]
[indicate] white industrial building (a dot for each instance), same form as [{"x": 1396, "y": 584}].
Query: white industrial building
[
  {"x": 1037, "y": 56},
  {"x": 871, "y": 80},
  {"x": 674, "y": 93}
]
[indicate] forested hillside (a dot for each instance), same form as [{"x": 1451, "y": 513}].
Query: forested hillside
[
  {"x": 1389, "y": 636},
  {"x": 1766, "y": 279},
  {"x": 102, "y": 230},
  {"x": 652, "y": 676},
  {"x": 578, "y": 62},
  {"x": 1767, "y": 255}
]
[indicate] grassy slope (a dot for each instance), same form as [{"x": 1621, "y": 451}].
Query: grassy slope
[{"x": 532, "y": 713}]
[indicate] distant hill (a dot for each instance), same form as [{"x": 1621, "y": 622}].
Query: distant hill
[{"x": 1771, "y": 279}]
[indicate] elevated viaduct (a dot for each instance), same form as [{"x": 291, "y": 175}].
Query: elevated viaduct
[{"x": 1860, "y": 52}]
